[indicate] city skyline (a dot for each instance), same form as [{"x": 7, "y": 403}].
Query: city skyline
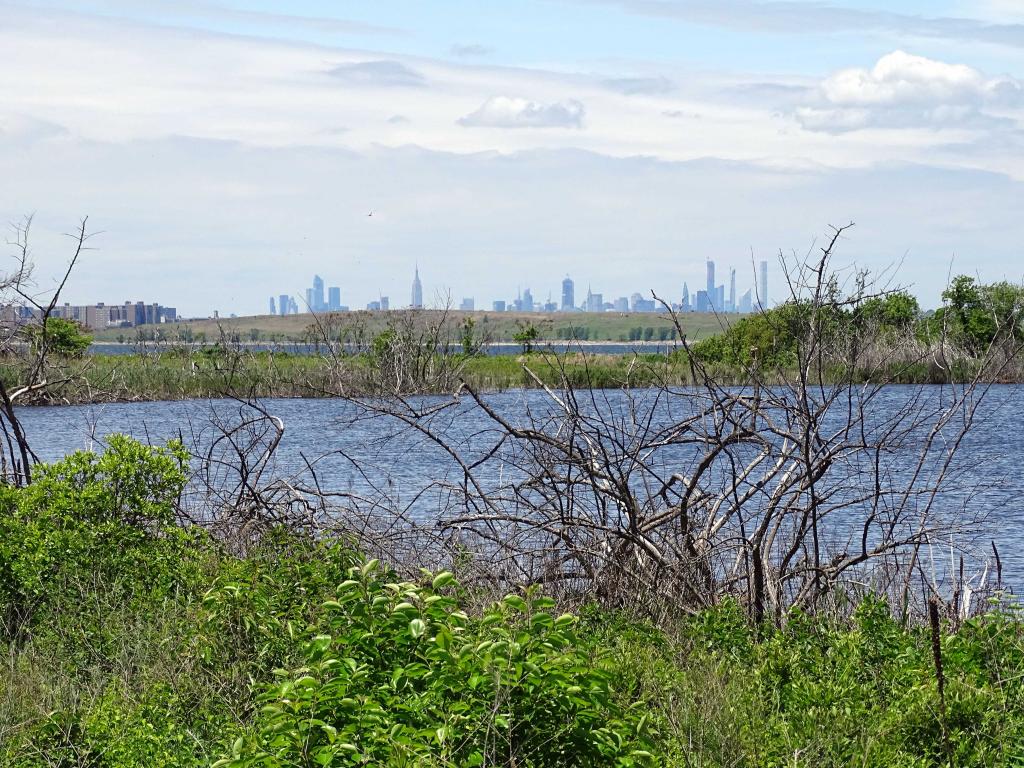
[{"x": 524, "y": 300}]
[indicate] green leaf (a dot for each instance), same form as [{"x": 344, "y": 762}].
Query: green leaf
[
  {"x": 443, "y": 579},
  {"x": 515, "y": 601}
]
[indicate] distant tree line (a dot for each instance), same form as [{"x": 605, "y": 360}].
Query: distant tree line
[{"x": 974, "y": 319}]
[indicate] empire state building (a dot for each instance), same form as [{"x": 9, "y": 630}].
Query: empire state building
[{"x": 417, "y": 291}]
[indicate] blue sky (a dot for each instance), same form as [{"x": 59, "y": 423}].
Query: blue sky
[{"x": 503, "y": 145}]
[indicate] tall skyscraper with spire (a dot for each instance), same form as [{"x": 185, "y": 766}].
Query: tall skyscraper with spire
[
  {"x": 417, "y": 290},
  {"x": 762, "y": 290}
]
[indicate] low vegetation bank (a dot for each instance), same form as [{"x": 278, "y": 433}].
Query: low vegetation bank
[{"x": 132, "y": 639}]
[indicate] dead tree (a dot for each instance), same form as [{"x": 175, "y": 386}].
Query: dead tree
[
  {"x": 26, "y": 311},
  {"x": 807, "y": 477}
]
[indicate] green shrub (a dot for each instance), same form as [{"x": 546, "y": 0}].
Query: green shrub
[
  {"x": 103, "y": 518},
  {"x": 62, "y": 337},
  {"x": 400, "y": 676}
]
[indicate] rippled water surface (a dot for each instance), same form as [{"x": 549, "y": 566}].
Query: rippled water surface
[{"x": 994, "y": 449}]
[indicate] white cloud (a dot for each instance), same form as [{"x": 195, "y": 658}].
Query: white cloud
[
  {"x": 509, "y": 112},
  {"x": 377, "y": 74},
  {"x": 902, "y": 90},
  {"x": 812, "y": 16},
  {"x": 634, "y": 86},
  {"x": 112, "y": 80}
]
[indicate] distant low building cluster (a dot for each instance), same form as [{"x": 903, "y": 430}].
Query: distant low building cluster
[{"x": 100, "y": 316}]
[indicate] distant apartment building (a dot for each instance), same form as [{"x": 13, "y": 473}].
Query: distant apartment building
[
  {"x": 100, "y": 316},
  {"x": 467, "y": 304},
  {"x": 498, "y": 306}
]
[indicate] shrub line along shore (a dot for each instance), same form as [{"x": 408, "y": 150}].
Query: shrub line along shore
[{"x": 178, "y": 375}]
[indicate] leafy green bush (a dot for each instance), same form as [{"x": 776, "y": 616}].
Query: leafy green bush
[
  {"x": 401, "y": 676},
  {"x": 93, "y": 517},
  {"x": 62, "y": 337}
]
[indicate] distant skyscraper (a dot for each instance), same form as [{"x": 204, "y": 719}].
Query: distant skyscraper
[
  {"x": 710, "y": 287},
  {"x": 317, "y": 303},
  {"x": 568, "y": 295},
  {"x": 283, "y": 302},
  {"x": 622, "y": 304},
  {"x": 731, "y": 306},
  {"x": 334, "y": 298},
  {"x": 595, "y": 302},
  {"x": 417, "y": 290},
  {"x": 746, "y": 303},
  {"x": 385, "y": 303},
  {"x": 293, "y": 306},
  {"x": 720, "y": 299},
  {"x": 498, "y": 306},
  {"x": 702, "y": 304},
  {"x": 762, "y": 291},
  {"x": 686, "y": 298},
  {"x": 467, "y": 304},
  {"x": 527, "y": 305},
  {"x": 273, "y": 306},
  {"x": 373, "y": 306}
]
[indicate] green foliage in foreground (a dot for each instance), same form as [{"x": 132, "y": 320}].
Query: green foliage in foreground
[
  {"x": 131, "y": 641},
  {"x": 402, "y": 676}
]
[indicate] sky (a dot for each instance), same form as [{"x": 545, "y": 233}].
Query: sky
[{"x": 226, "y": 150}]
